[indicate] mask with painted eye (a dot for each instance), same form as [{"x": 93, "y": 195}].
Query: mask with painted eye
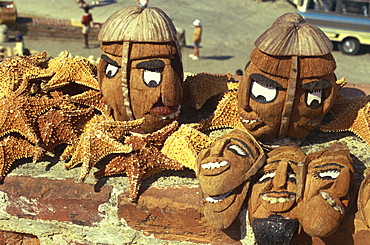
[
  {"x": 328, "y": 188},
  {"x": 287, "y": 88},
  {"x": 223, "y": 171}
]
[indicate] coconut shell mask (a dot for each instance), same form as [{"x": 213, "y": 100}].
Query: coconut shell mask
[
  {"x": 140, "y": 73},
  {"x": 328, "y": 188},
  {"x": 288, "y": 86},
  {"x": 223, "y": 171}
]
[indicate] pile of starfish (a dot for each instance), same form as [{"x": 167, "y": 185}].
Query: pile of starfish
[{"x": 46, "y": 102}]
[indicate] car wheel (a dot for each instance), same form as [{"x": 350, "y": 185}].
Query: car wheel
[{"x": 350, "y": 46}]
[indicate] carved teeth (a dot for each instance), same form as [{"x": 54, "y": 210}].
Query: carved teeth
[
  {"x": 212, "y": 165},
  {"x": 247, "y": 121},
  {"x": 274, "y": 200},
  {"x": 170, "y": 116},
  {"x": 215, "y": 199},
  {"x": 331, "y": 202}
]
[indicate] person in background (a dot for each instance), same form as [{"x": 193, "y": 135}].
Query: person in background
[
  {"x": 197, "y": 37},
  {"x": 19, "y": 45},
  {"x": 239, "y": 72},
  {"x": 142, "y": 3},
  {"x": 86, "y": 22}
]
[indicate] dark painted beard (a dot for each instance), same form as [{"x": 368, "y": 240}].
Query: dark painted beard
[{"x": 274, "y": 230}]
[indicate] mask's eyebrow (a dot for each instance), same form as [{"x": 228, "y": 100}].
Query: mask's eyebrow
[
  {"x": 293, "y": 162},
  {"x": 320, "y": 84},
  {"x": 329, "y": 164},
  {"x": 109, "y": 60},
  {"x": 245, "y": 145},
  {"x": 265, "y": 80},
  {"x": 150, "y": 64}
]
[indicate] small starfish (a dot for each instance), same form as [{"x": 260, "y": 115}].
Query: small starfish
[
  {"x": 226, "y": 114},
  {"x": 61, "y": 126},
  {"x": 351, "y": 115},
  {"x": 91, "y": 98},
  {"x": 99, "y": 139},
  {"x": 14, "y": 147},
  {"x": 143, "y": 159},
  {"x": 71, "y": 70}
]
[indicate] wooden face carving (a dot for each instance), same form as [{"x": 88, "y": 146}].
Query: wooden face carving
[
  {"x": 364, "y": 200},
  {"x": 154, "y": 88},
  {"x": 262, "y": 97},
  {"x": 274, "y": 191},
  {"x": 223, "y": 171},
  {"x": 328, "y": 184}
]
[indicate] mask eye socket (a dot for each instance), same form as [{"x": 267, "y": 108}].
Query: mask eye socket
[
  {"x": 152, "y": 77},
  {"x": 329, "y": 174},
  {"x": 314, "y": 98},
  {"x": 237, "y": 150},
  {"x": 266, "y": 177},
  {"x": 263, "y": 93},
  {"x": 111, "y": 70}
]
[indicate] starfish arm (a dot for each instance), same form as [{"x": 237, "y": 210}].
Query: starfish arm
[{"x": 157, "y": 138}]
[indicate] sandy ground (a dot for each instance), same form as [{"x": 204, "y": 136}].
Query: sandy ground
[{"x": 230, "y": 29}]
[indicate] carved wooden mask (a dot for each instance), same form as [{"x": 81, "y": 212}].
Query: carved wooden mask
[
  {"x": 223, "y": 171},
  {"x": 363, "y": 203},
  {"x": 141, "y": 73},
  {"x": 154, "y": 84},
  {"x": 327, "y": 195},
  {"x": 289, "y": 84},
  {"x": 262, "y": 99},
  {"x": 275, "y": 188}
]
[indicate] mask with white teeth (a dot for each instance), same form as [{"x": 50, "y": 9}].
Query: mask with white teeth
[
  {"x": 329, "y": 190},
  {"x": 223, "y": 171},
  {"x": 287, "y": 89},
  {"x": 276, "y": 188},
  {"x": 362, "y": 218}
]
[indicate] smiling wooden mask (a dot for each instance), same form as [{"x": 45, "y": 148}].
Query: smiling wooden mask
[
  {"x": 328, "y": 189},
  {"x": 140, "y": 72},
  {"x": 275, "y": 192},
  {"x": 223, "y": 171},
  {"x": 289, "y": 84}
]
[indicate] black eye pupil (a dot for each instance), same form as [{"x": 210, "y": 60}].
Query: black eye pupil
[
  {"x": 152, "y": 84},
  {"x": 109, "y": 74}
]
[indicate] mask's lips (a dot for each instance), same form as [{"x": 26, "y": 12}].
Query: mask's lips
[
  {"x": 214, "y": 168},
  {"x": 333, "y": 201},
  {"x": 278, "y": 201},
  {"x": 223, "y": 201},
  {"x": 165, "y": 112}
]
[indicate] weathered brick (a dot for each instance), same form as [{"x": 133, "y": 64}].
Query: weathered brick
[
  {"x": 13, "y": 238},
  {"x": 61, "y": 200},
  {"x": 173, "y": 213}
]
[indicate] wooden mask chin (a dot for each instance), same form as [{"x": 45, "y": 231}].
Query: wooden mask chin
[
  {"x": 147, "y": 85},
  {"x": 275, "y": 187},
  {"x": 223, "y": 171},
  {"x": 363, "y": 204},
  {"x": 273, "y": 106},
  {"x": 328, "y": 190}
]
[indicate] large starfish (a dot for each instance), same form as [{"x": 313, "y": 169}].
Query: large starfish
[
  {"x": 143, "y": 159},
  {"x": 14, "y": 147},
  {"x": 99, "y": 139},
  {"x": 351, "y": 115},
  {"x": 19, "y": 69},
  {"x": 68, "y": 70},
  {"x": 61, "y": 126}
]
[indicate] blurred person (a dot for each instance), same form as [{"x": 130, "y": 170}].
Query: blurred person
[
  {"x": 197, "y": 38},
  {"x": 239, "y": 72},
  {"x": 82, "y": 4},
  {"x": 142, "y": 3},
  {"x": 86, "y": 21},
  {"x": 19, "y": 45}
]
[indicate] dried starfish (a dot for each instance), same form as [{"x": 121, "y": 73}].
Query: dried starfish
[
  {"x": 353, "y": 116},
  {"x": 16, "y": 70},
  {"x": 99, "y": 139},
  {"x": 14, "y": 147},
  {"x": 144, "y": 158},
  {"x": 71, "y": 70},
  {"x": 185, "y": 144},
  {"x": 61, "y": 126}
]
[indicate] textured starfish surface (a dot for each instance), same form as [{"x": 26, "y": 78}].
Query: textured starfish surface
[
  {"x": 68, "y": 69},
  {"x": 185, "y": 144},
  {"x": 90, "y": 98},
  {"x": 18, "y": 113},
  {"x": 100, "y": 138},
  {"x": 19, "y": 69},
  {"x": 143, "y": 159},
  {"x": 14, "y": 147},
  {"x": 61, "y": 126},
  {"x": 351, "y": 115},
  {"x": 226, "y": 114}
]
